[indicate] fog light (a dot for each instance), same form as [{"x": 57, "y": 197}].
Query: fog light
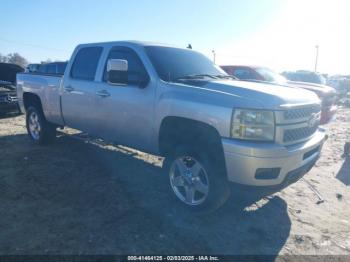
[{"x": 267, "y": 173}]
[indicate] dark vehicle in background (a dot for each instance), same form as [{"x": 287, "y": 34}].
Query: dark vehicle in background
[
  {"x": 327, "y": 94},
  {"x": 8, "y": 96},
  {"x": 55, "y": 68}
]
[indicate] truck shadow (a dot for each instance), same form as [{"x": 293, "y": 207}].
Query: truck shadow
[
  {"x": 9, "y": 115},
  {"x": 81, "y": 198},
  {"x": 344, "y": 172}
]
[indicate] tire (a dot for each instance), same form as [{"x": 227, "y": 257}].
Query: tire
[
  {"x": 39, "y": 130},
  {"x": 209, "y": 183}
]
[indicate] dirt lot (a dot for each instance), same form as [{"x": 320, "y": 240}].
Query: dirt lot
[{"x": 83, "y": 197}]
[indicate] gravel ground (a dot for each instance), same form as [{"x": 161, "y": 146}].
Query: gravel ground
[{"x": 81, "y": 196}]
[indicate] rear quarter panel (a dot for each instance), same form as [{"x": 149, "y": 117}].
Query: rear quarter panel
[{"x": 47, "y": 88}]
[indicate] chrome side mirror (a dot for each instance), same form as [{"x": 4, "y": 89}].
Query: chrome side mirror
[{"x": 117, "y": 71}]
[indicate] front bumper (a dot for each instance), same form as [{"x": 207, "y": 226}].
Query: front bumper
[{"x": 244, "y": 160}]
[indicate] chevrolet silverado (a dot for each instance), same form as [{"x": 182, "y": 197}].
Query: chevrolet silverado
[{"x": 212, "y": 129}]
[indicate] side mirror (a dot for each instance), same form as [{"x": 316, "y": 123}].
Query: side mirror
[{"x": 117, "y": 71}]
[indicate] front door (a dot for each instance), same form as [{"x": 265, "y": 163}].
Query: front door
[{"x": 126, "y": 112}]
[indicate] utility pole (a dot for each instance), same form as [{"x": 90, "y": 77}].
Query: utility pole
[
  {"x": 316, "y": 60},
  {"x": 214, "y": 55}
]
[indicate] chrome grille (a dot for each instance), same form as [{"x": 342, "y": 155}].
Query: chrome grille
[
  {"x": 297, "y": 124},
  {"x": 8, "y": 98},
  {"x": 12, "y": 98},
  {"x": 303, "y": 112},
  {"x": 297, "y": 134}
]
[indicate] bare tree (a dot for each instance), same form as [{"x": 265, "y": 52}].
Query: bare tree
[
  {"x": 46, "y": 61},
  {"x": 3, "y": 58},
  {"x": 16, "y": 58}
]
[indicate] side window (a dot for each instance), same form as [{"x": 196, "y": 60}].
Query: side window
[
  {"x": 135, "y": 66},
  {"x": 85, "y": 63},
  {"x": 242, "y": 74}
]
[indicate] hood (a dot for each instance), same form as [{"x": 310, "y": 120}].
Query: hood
[
  {"x": 320, "y": 90},
  {"x": 269, "y": 96},
  {"x": 8, "y": 72}
]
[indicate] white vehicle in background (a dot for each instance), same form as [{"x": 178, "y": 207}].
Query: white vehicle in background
[{"x": 340, "y": 84}]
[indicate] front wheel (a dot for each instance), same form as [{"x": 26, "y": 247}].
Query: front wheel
[
  {"x": 39, "y": 130},
  {"x": 196, "y": 181}
]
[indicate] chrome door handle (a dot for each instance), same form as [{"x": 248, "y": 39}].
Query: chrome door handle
[
  {"x": 103, "y": 93},
  {"x": 68, "y": 89}
]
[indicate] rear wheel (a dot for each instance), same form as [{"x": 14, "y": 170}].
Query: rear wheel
[
  {"x": 197, "y": 182},
  {"x": 39, "y": 130}
]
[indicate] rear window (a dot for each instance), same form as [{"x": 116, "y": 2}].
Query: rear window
[{"x": 85, "y": 63}]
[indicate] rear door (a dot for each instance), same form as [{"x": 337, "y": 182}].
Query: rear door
[{"x": 79, "y": 88}]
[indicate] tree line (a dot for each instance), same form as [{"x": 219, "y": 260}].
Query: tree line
[{"x": 14, "y": 58}]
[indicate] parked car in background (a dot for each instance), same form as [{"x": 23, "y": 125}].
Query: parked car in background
[
  {"x": 32, "y": 68},
  {"x": 177, "y": 103},
  {"x": 340, "y": 83},
  {"x": 255, "y": 73},
  {"x": 8, "y": 96},
  {"x": 54, "y": 68},
  {"x": 305, "y": 76}
]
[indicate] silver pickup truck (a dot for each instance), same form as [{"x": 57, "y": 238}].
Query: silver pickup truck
[{"x": 174, "y": 102}]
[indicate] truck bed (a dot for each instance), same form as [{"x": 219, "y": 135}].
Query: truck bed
[{"x": 47, "y": 87}]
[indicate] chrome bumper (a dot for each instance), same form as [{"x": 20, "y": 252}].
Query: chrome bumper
[{"x": 264, "y": 164}]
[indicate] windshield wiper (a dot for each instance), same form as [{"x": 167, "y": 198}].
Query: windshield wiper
[
  {"x": 226, "y": 76},
  {"x": 195, "y": 76}
]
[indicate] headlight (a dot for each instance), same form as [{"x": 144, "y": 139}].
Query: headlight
[{"x": 253, "y": 125}]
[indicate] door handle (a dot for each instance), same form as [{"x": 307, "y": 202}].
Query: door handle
[
  {"x": 68, "y": 89},
  {"x": 103, "y": 93}
]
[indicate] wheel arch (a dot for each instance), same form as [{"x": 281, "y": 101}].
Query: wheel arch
[
  {"x": 179, "y": 130},
  {"x": 30, "y": 99}
]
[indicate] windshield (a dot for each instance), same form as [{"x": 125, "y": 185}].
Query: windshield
[
  {"x": 175, "y": 63},
  {"x": 270, "y": 75}
]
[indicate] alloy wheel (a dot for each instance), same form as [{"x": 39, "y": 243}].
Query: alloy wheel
[{"x": 189, "y": 180}]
